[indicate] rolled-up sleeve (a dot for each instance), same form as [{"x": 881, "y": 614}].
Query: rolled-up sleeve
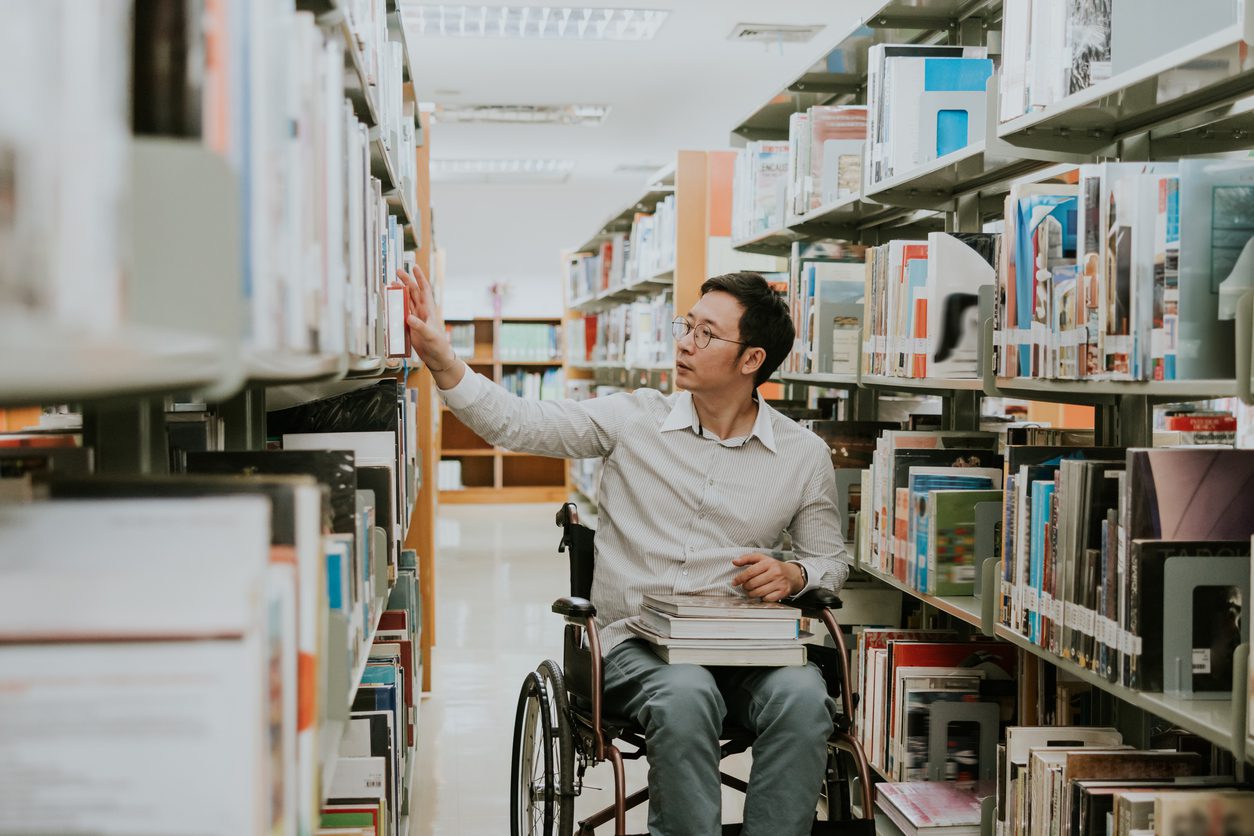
[
  {"x": 817, "y": 540},
  {"x": 564, "y": 428}
]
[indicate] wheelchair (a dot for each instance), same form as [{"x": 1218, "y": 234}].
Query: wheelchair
[{"x": 561, "y": 726}]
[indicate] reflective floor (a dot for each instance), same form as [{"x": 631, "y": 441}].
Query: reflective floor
[{"x": 497, "y": 573}]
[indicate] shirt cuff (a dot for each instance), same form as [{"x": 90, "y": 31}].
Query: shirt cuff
[
  {"x": 813, "y": 575},
  {"x": 467, "y": 391}
]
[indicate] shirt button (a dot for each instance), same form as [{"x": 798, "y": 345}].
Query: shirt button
[
  {"x": 711, "y": 482},
  {"x": 685, "y": 573},
  {"x": 691, "y": 548}
]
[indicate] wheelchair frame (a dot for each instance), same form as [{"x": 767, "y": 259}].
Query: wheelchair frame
[{"x": 551, "y": 697}]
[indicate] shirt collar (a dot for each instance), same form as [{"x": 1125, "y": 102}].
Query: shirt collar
[{"x": 683, "y": 416}]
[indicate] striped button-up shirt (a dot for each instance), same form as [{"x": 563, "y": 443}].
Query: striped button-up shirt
[{"x": 677, "y": 504}]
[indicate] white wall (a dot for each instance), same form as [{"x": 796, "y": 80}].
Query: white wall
[{"x": 515, "y": 233}]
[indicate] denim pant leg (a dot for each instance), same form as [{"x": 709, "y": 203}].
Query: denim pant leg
[
  {"x": 791, "y": 713},
  {"x": 682, "y": 712}
]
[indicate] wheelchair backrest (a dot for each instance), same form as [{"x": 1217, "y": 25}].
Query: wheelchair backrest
[{"x": 577, "y": 543}]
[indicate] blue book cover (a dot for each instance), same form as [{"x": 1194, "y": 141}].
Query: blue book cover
[
  {"x": 953, "y": 125},
  {"x": 920, "y": 484},
  {"x": 1042, "y": 492}
]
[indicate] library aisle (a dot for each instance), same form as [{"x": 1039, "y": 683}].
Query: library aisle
[{"x": 498, "y": 571}]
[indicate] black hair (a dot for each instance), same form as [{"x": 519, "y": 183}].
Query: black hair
[{"x": 765, "y": 323}]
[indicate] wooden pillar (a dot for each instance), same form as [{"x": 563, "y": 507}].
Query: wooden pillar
[{"x": 421, "y": 535}]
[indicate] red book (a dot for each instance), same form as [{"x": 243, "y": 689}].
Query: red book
[
  {"x": 1202, "y": 423},
  {"x": 929, "y": 807}
]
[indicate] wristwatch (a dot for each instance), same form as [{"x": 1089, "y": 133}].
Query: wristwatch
[{"x": 805, "y": 576}]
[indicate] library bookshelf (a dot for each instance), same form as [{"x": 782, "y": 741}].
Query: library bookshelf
[
  {"x": 491, "y": 474},
  {"x": 179, "y": 340},
  {"x": 966, "y": 190}
]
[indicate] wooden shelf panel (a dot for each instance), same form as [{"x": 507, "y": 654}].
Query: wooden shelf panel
[{"x": 472, "y": 496}]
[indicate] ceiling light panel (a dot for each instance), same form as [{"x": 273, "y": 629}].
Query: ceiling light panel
[
  {"x": 538, "y": 22},
  {"x": 520, "y": 114},
  {"x": 501, "y": 170}
]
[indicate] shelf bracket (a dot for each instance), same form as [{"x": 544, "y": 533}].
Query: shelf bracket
[
  {"x": 245, "y": 419},
  {"x": 128, "y": 436},
  {"x": 1240, "y": 706}
]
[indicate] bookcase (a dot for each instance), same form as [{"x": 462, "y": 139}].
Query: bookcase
[
  {"x": 1142, "y": 112},
  {"x": 689, "y": 200},
  {"x": 523, "y": 353},
  {"x": 209, "y": 307}
]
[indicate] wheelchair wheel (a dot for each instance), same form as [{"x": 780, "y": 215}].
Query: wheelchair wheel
[
  {"x": 532, "y": 793},
  {"x": 563, "y": 772}
]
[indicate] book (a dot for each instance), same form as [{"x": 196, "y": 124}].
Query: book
[
  {"x": 697, "y": 627},
  {"x": 919, "y": 807},
  {"x": 170, "y": 642},
  {"x": 1013, "y": 782},
  {"x": 718, "y": 606},
  {"x": 958, "y": 264},
  {"x": 737, "y": 652},
  {"x": 336, "y": 470},
  {"x": 951, "y": 544}
]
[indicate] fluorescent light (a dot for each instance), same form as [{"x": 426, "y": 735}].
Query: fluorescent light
[
  {"x": 501, "y": 170},
  {"x": 521, "y": 114},
  {"x": 588, "y": 23}
]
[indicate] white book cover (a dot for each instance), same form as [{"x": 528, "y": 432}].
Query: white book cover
[
  {"x": 1016, "y": 25},
  {"x": 696, "y": 627},
  {"x": 956, "y": 271},
  {"x": 734, "y": 606},
  {"x": 133, "y": 568},
  {"x": 360, "y": 778},
  {"x": 121, "y": 724}
]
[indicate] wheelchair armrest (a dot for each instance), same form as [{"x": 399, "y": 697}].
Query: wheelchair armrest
[
  {"x": 574, "y": 608},
  {"x": 813, "y": 603}
]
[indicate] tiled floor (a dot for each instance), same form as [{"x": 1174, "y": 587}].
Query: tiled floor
[{"x": 497, "y": 573}]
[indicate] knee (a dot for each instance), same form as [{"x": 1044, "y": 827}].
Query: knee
[
  {"x": 798, "y": 697},
  {"x": 687, "y": 701}
]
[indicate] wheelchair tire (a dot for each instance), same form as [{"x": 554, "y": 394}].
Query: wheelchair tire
[
  {"x": 563, "y": 774},
  {"x": 532, "y": 793}
]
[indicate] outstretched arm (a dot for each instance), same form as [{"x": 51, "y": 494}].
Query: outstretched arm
[{"x": 567, "y": 428}]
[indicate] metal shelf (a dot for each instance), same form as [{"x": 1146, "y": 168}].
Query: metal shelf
[
  {"x": 776, "y": 242},
  {"x": 284, "y": 367},
  {"x": 838, "y": 218},
  {"x": 965, "y": 608},
  {"x": 661, "y": 185},
  {"x": 614, "y": 296},
  {"x": 1167, "y": 88},
  {"x": 1093, "y": 391},
  {"x": 939, "y": 183},
  {"x": 1221, "y": 722},
  {"x": 819, "y": 379},
  {"x": 44, "y": 362},
  {"x": 936, "y": 386}
]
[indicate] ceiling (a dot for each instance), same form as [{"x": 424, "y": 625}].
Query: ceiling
[{"x": 686, "y": 89}]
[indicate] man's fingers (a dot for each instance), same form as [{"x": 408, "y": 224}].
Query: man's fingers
[
  {"x": 752, "y": 572},
  {"x": 760, "y": 583},
  {"x": 767, "y": 591}
]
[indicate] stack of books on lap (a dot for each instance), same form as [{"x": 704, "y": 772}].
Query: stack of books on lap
[
  {"x": 936, "y": 807},
  {"x": 720, "y": 630}
]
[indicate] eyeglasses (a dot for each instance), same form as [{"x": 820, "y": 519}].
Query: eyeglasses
[{"x": 702, "y": 334}]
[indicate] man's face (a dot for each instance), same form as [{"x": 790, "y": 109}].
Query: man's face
[{"x": 719, "y": 364}]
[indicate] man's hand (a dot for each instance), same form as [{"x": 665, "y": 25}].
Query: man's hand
[
  {"x": 426, "y": 330},
  {"x": 768, "y": 578}
]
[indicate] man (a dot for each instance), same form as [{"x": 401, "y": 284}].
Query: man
[{"x": 696, "y": 487}]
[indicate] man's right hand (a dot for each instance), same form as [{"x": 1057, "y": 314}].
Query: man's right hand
[{"x": 426, "y": 331}]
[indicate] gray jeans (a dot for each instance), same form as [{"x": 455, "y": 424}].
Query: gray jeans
[{"x": 682, "y": 708}]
